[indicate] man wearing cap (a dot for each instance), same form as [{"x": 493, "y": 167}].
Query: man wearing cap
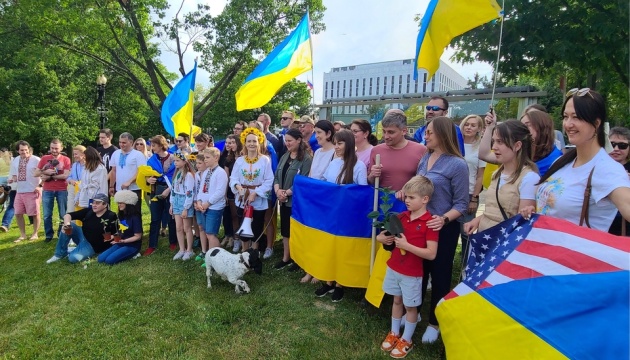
[
  {"x": 97, "y": 220},
  {"x": 307, "y": 127}
]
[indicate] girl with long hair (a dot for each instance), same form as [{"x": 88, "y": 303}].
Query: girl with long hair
[
  {"x": 127, "y": 244},
  {"x": 513, "y": 185},
  {"x": 251, "y": 182},
  {"x": 364, "y": 140},
  {"x": 344, "y": 169},
  {"x": 231, "y": 152},
  {"x": 93, "y": 178},
  {"x": 561, "y": 190},
  {"x": 296, "y": 160},
  {"x": 182, "y": 205},
  {"x": 444, "y": 165}
]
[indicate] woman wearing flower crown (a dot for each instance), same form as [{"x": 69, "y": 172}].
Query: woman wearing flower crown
[{"x": 251, "y": 181}]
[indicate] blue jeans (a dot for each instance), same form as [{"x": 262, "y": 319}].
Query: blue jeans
[
  {"x": 117, "y": 253},
  {"x": 9, "y": 211},
  {"x": 48, "y": 200},
  {"x": 159, "y": 211},
  {"x": 83, "y": 250}
]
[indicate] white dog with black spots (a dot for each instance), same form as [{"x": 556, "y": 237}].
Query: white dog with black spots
[{"x": 232, "y": 267}]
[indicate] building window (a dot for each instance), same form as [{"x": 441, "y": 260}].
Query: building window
[
  {"x": 408, "y": 82},
  {"x": 350, "y": 95},
  {"x": 363, "y": 87},
  {"x": 424, "y": 82},
  {"x": 344, "y": 88},
  {"x": 416, "y": 86},
  {"x": 384, "y": 85},
  {"x": 357, "y": 89},
  {"x": 337, "y": 88},
  {"x": 433, "y": 84},
  {"x": 400, "y": 84},
  {"x": 326, "y": 90},
  {"x": 378, "y": 84},
  {"x": 392, "y": 89},
  {"x": 370, "y": 92}
]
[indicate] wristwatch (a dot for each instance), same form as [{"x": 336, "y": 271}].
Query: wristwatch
[{"x": 446, "y": 219}]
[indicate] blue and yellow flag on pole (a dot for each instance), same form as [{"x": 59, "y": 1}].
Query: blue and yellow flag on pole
[
  {"x": 289, "y": 59},
  {"x": 444, "y": 20},
  {"x": 177, "y": 110}
]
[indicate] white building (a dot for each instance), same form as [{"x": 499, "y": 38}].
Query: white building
[{"x": 384, "y": 80}]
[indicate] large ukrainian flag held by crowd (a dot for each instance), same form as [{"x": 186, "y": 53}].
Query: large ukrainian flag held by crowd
[
  {"x": 330, "y": 231},
  {"x": 288, "y": 60},
  {"x": 177, "y": 110},
  {"x": 444, "y": 20}
]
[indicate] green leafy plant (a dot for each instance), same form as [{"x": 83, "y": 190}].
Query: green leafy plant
[{"x": 381, "y": 218}]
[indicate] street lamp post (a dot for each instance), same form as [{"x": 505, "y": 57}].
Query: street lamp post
[{"x": 101, "y": 82}]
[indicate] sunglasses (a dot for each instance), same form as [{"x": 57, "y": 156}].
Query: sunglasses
[
  {"x": 579, "y": 92},
  {"x": 434, "y": 108},
  {"x": 139, "y": 144},
  {"x": 285, "y": 118},
  {"x": 178, "y": 141},
  {"x": 620, "y": 145}
]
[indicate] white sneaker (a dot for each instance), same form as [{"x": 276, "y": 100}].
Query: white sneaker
[
  {"x": 237, "y": 246},
  {"x": 268, "y": 253},
  {"x": 136, "y": 256},
  {"x": 187, "y": 255},
  {"x": 179, "y": 255},
  {"x": 430, "y": 335},
  {"x": 53, "y": 259}
]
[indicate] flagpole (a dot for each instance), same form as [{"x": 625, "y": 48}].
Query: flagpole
[
  {"x": 310, "y": 36},
  {"x": 496, "y": 66},
  {"x": 192, "y": 120}
]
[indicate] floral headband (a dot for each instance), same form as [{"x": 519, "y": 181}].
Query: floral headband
[
  {"x": 252, "y": 131},
  {"x": 180, "y": 156}
]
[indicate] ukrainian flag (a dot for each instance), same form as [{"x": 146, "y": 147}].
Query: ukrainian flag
[
  {"x": 330, "y": 231},
  {"x": 288, "y": 60},
  {"x": 177, "y": 110},
  {"x": 444, "y": 20}
]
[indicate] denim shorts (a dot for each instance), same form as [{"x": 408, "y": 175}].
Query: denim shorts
[
  {"x": 178, "y": 205},
  {"x": 211, "y": 221}
]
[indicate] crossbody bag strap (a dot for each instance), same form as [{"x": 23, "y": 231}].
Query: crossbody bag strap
[
  {"x": 585, "y": 202},
  {"x": 505, "y": 217}
]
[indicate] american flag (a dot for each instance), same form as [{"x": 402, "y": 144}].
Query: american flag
[
  {"x": 309, "y": 85},
  {"x": 519, "y": 249}
]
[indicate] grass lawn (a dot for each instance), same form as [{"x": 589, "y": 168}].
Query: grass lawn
[{"x": 155, "y": 307}]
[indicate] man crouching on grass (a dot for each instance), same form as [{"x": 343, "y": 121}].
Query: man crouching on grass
[
  {"x": 97, "y": 220},
  {"x": 403, "y": 278}
]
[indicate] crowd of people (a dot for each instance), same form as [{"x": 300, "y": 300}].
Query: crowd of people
[{"x": 192, "y": 191}]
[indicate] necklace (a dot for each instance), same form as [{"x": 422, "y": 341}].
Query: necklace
[{"x": 250, "y": 160}]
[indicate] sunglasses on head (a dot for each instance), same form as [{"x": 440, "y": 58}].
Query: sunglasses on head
[
  {"x": 579, "y": 92},
  {"x": 620, "y": 145},
  {"x": 434, "y": 108}
]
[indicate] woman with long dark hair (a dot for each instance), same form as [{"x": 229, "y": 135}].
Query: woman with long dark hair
[
  {"x": 230, "y": 153},
  {"x": 296, "y": 160},
  {"x": 344, "y": 169},
  {"x": 93, "y": 179},
  {"x": 513, "y": 185},
  {"x": 324, "y": 131},
  {"x": 444, "y": 165},
  {"x": 561, "y": 190},
  {"x": 364, "y": 140}
]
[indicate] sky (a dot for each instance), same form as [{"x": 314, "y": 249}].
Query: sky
[{"x": 357, "y": 32}]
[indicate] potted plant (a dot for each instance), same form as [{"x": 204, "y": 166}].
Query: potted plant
[
  {"x": 380, "y": 219},
  {"x": 107, "y": 233}
]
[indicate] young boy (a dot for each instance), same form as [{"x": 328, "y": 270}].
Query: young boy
[
  {"x": 403, "y": 278},
  {"x": 211, "y": 196}
]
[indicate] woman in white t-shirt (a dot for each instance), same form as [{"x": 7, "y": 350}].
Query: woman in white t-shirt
[
  {"x": 513, "y": 185},
  {"x": 561, "y": 190},
  {"x": 324, "y": 132}
]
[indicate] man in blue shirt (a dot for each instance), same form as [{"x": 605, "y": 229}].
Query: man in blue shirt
[{"x": 437, "y": 106}]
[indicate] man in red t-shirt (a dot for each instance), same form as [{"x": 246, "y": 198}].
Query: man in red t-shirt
[
  {"x": 54, "y": 169},
  {"x": 403, "y": 278}
]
